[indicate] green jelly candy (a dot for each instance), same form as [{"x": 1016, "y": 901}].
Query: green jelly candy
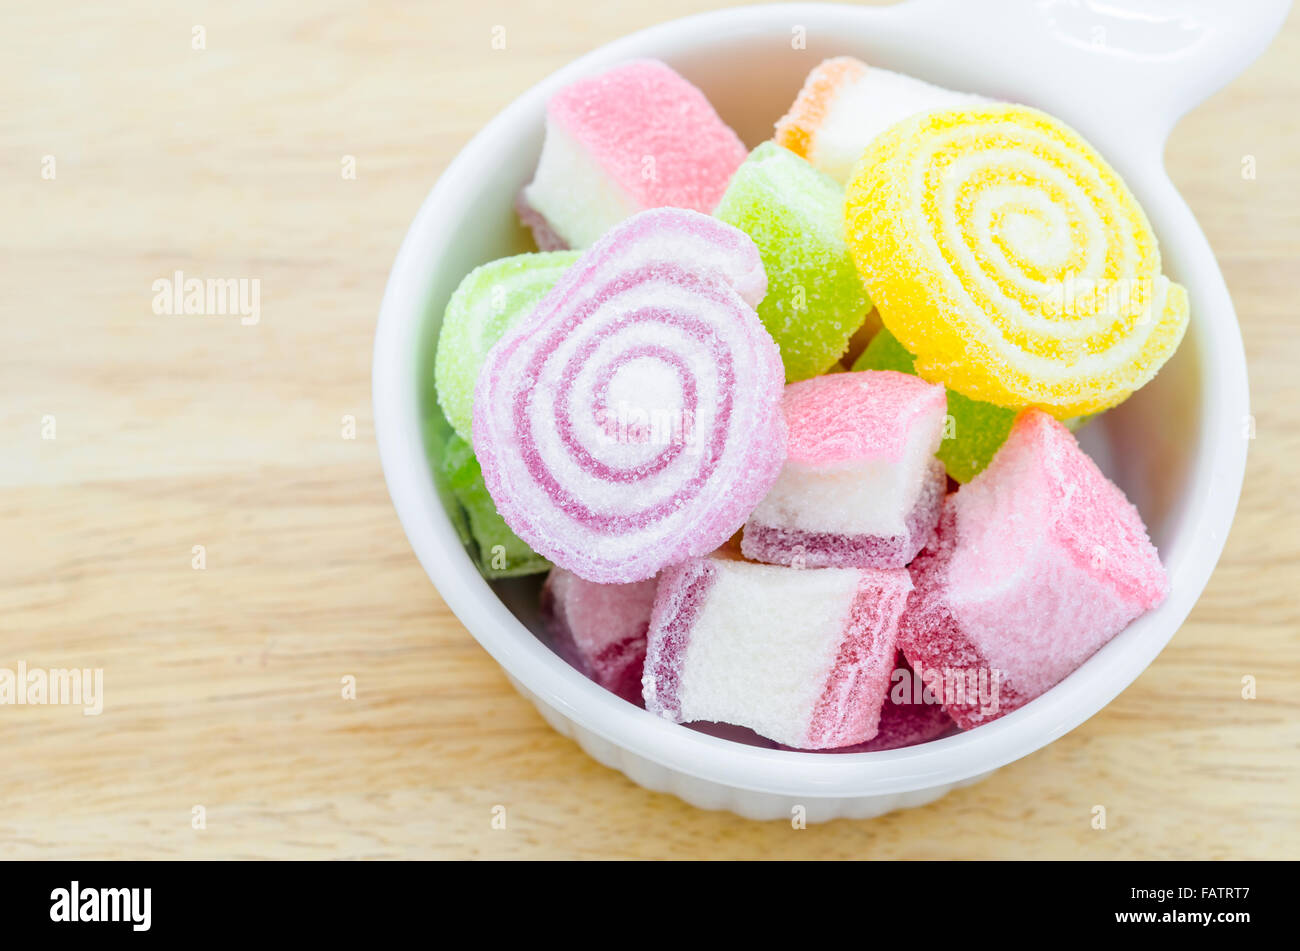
[
  {"x": 489, "y": 301},
  {"x": 501, "y": 553},
  {"x": 795, "y": 214},
  {"x": 976, "y": 429},
  {"x": 437, "y": 432}
]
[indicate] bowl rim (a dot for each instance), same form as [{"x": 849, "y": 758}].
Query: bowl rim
[{"x": 1214, "y": 487}]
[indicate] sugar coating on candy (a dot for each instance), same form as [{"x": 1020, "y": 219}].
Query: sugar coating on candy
[
  {"x": 801, "y": 657},
  {"x": 634, "y": 137},
  {"x": 977, "y": 429},
  {"x": 633, "y": 419},
  {"x": 910, "y": 715},
  {"x": 500, "y": 552},
  {"x": 856, "y": 417},
  {"x": 931, "y": 637},
  {"x": 1037, "y": 563},
  {"x": 488, "y": 302},
  {"x": 1002, "y": 250},
  {"x": 815, "y": 298},
  {"x": 907, "y": 718},
  {"x": 600, "y": 628},
  {"x": 806, "y": 548},
  {"x": 844, "y": 104},
  {"x": 860, "y": 486}
]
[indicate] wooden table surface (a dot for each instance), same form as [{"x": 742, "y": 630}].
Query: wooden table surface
[{"x": 222, "y": 685}]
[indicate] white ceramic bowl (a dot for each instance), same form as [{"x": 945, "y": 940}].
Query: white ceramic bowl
[{"x": 1177, "y": 447}]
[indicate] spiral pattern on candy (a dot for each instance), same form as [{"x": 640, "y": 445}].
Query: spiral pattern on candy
[
  {"x": 632, "y": 420},
  {"x": 1004, "y": 252}
]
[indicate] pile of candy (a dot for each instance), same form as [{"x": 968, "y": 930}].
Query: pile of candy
[{"x": 756, "y": 512}]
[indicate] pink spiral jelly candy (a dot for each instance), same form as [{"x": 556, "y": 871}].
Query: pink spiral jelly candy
[
  {"x": 633, "y": 419},
  {"x": 600, "y": 628},
  {"x": 801, "y": 657},
  {"x": 637, "y": 136},
  {"x": 861, "y": 487},
  {"x": 1038, "y": 562}
]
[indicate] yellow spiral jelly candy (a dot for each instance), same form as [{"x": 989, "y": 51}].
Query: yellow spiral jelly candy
[{"x": 1004, "y": 252}]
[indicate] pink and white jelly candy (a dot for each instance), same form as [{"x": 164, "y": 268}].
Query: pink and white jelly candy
[
  {"x": 633, "y": 419},
  {"x": 801, "y": 657},
  {"x": 860, "y": 486},
  {"x": 600, "y": 628},
  {"x": 637, "y": 136},
  {"x": 1037, "y": 562}
]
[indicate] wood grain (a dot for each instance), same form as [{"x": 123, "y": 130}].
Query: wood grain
[{"x": 222, "y": 686}]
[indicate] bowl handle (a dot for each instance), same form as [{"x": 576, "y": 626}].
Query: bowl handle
[{"x": 1122, "y": 71}]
